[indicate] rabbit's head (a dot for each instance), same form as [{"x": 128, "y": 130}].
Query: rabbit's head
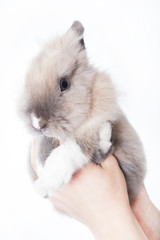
[{"x": 58, "y": 85}]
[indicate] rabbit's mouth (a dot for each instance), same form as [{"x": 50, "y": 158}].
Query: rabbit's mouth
[{"x": 48, "y": 129}]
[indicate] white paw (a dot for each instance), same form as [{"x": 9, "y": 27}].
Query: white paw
[
  {"x": 59, "y": 168},
  {"x": 39, "y": 188},
  {"x": 47, "y": 183},
  {"x": 54, "y": 174},
  {"x": 105, "y": 134}
]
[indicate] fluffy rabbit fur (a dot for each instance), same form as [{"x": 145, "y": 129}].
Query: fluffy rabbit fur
[{"x": 72, "y": 108}]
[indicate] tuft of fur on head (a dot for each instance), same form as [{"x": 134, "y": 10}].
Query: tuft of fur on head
[{"x": 91, "y": 94}]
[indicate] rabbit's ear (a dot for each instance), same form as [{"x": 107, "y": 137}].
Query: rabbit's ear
[{"x": 77, "y": 27}]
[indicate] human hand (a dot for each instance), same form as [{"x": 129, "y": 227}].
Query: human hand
[
  {"x": 83, "y": 197},
  {"x": 97, "y": 196}
]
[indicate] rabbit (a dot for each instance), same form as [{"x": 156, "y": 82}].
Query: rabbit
[{"x": 73, "y": 111}]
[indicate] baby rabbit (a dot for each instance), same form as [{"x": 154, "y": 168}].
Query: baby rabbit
[{"x": 72, "y": 108}]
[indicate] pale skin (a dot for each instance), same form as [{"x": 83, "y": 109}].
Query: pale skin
[{"x": 97, "y": 197}]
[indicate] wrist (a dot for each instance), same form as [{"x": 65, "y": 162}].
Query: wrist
[
  {"x": 117, "y": 224},
  {"x": 147, "y": 215}
]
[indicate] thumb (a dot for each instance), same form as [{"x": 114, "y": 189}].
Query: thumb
[{"x": 109, "y": 162}]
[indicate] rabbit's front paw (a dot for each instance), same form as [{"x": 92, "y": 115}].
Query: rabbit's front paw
[
  {"x": 40, "y": 188},
  {"x": 54, "y": 175},
  {"x": 104, "y": 143},
  {"x": 59, "y": 168},
  {"x": 47, "y": 184},
  {"x": 105, "y": 135}
]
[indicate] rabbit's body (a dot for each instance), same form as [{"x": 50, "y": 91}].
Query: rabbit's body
[{"x": 74, "y": 111}]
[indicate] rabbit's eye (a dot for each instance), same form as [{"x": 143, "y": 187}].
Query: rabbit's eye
[{"x": 64, "y": 84}]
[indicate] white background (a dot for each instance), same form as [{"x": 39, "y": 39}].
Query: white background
[{"x": 123, "y": 38}]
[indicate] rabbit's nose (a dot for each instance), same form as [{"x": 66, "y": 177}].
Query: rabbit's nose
[{"x": 38, "y": 123}]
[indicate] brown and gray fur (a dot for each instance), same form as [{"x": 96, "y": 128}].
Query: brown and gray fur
[{"x": 80, "y": 111}]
